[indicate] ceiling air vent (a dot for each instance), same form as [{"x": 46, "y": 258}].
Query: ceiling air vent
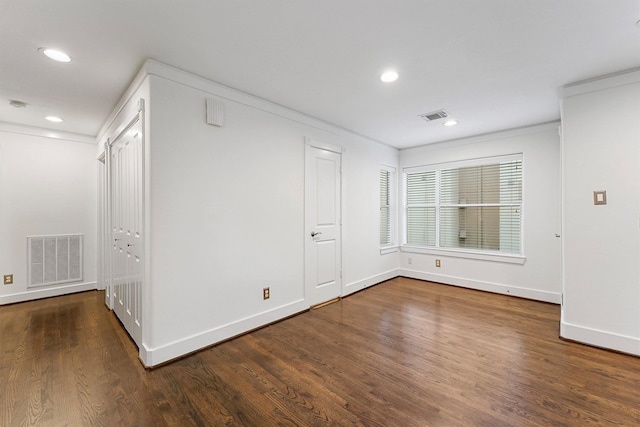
[{"x": 434, "y": 115}]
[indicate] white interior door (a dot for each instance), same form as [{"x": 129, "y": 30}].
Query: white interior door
[
  {"x": 126, "y": 174},
  {"x": 323, "y": 243}
]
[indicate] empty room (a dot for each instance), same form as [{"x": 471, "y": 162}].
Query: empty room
[{"x": 293, "y": 212}]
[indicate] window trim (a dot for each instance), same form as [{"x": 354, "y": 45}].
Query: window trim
[
  {"x": 465, "y": 253},
  {"x": 488, "y": 255}
]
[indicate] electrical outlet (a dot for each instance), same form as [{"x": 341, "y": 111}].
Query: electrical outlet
[
  {"x": 266, "y": 293},
  {"x": 409, "y": 261},
  {"x": 437, "y": 263},
  {"x": 8, "y": 279}
]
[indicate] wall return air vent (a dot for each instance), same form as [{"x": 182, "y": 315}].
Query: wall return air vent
[
  {"x": 54, "y": 259},
  {"x": 434, "y": 115}
]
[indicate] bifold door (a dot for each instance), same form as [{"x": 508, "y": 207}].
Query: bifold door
[{"x": 126, "y": 203}]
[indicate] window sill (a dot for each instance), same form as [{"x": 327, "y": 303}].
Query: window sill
[
  {"x": 388, "y": 250},
  {"x": 495, "y": 257}
]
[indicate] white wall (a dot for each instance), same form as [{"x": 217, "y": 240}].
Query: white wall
[
  {"x": 601, "y": 151},
  {"x": 47, "y": 187},
  {"x": 363, "y": 264},
  {"x": 540, "y": 275},
  {"x": 226, "y": 211}
]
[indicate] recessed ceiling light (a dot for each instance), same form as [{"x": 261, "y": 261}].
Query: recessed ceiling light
[
  {"x": 54, "y": 119},
  {"x": 389, "y": 76},
  {"x": 54, "y": 54},
  {"x": 450, "y": 123}
]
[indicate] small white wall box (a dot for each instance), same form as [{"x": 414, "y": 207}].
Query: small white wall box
[
  {"x": 215, "y": 112},
  {"x": 599, "y": 197}
]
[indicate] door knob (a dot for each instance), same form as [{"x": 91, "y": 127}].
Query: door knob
[{"x": 315, "y": 233}]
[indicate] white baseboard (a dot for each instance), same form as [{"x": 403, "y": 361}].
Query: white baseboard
[
  {"x": 46, "y": 293},
  {"x": 499, "y": 288},
  {"x": 155, "y": 356},
  {"x": 598, "y": 338},
  {"x": 369, "y": 281}
]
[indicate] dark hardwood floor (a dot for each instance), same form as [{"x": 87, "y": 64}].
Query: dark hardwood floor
[{"x": 402, "y": 353}]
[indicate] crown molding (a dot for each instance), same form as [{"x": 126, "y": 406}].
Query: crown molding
[{"x": 46, "y": 133}]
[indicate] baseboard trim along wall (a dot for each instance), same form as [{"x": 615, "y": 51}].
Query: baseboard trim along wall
[
  {"x": 598, "y": 338},
  {"x": 498, "y": 288},
  {"x": 54, "y": 291},
  {"x": 369, "y": 281},
  {"x": 154, "y": 356}
]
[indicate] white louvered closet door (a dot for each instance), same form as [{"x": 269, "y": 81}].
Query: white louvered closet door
[{"x": 126, "y": 176}]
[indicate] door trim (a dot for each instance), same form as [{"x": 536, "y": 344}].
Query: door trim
[{"x": 325, "y": 146}]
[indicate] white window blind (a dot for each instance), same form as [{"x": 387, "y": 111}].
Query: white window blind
[
  {"x": 421, "y": 208},
  {"x": 475, "y": 207},
  {"x": 387, "y": 206}
]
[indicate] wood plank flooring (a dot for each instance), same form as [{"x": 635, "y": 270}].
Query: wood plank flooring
[{"x": 402, "y": 353}]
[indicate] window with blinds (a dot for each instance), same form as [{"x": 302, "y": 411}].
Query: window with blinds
[
  {"x": 421, "y": 208},
  {"x": 386, "y": 206},
  {"x": 385, "y": 209},
  {"x": 476, "y": 207}
]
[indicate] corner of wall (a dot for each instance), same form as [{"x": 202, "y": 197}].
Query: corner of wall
[
  {"x": 370, "y": 281},
  {"x": 155, "y": 356},
  {"x": 599, "y": 338}
]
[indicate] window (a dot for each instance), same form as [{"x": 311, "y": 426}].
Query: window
[
  {"x": 387, "y": 193},
  {"x": 473, "y": 206}
]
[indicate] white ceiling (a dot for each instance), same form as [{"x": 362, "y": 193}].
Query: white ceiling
[{"x": 492, "y": 64}]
